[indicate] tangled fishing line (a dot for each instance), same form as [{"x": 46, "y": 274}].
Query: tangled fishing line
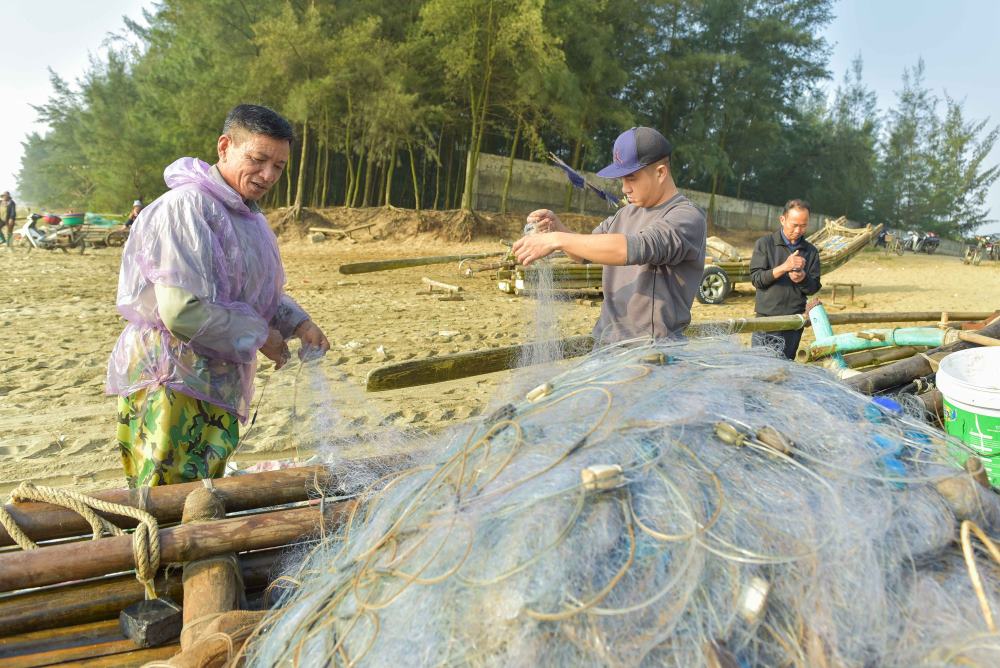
[{"x": 659, "y": 504}]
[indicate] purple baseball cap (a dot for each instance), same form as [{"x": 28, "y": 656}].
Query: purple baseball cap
[{"x": 634, "y": 149}]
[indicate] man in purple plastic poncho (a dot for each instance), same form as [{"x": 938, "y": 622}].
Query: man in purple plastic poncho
[{"x": 201, "y": 288}]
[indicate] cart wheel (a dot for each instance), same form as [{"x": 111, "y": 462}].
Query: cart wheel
[
  {"x": 715, "y": 286},
  {"x": 115, "y": 238}
]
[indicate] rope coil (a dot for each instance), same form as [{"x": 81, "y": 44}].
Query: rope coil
[{"x": 145, "y": 537}]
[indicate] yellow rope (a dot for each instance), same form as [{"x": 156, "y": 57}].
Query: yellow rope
[
  {"x": 145, "y": 538},
  {"x": 970, "y": 563}
]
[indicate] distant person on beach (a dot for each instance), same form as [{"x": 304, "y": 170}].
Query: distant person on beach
[
  {"x": 652, "y": 249},
  {"x": 134, "y": 213},
  {"x": 8, "y": 213},
  {"x": 785, "y": 270},
  {"x": 201, "y": 286}
]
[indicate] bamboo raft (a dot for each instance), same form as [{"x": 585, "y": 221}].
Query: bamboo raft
[
  {"x": 61, "y": 603},
  {"x": 836, "y": 244}
]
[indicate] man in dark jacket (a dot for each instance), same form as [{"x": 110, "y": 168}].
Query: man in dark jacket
[
  {"x": 8, "y": 212},
  {"x": 785, "y": 270}
]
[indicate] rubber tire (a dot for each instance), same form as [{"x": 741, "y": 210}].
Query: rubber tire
[
  {"x": 715, "y": 286},
  {"x": 930, "y": 250}
]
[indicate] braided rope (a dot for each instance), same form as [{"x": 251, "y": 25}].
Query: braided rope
[{"x": 145, "y": 538}]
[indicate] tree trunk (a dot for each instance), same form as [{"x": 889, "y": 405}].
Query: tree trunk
[
  {"x": 390, "y": 169},
  {"x": 369, "y": 169},
  {"x": 448, "y": 176},
  {"x": 318, "y": 170},
  {"x": 510, "y": 167},
  {"x": 478, "y": 117},
  {"x": 288, "y": 182},
  {"x": 326, "y": 176},
  {"x": 303, "y": 162},
  {"x": 413, "y": 173}
]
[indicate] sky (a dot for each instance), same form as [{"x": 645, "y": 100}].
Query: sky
[{"x": 957, "y": 40}]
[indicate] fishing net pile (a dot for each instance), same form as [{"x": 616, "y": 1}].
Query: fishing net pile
[{"x": 659, "y": 505}]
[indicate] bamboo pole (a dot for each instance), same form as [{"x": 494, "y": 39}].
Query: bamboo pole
[
  {"x": 879, "y": 355},
  {"x": 904, "y": 371},
  {"x": 104, "y": 598},
  {"x": 43, "y": 521},
  {"x": 77, "y": 561},
  {"x": 447, "y": 287},
  {"x": 404, "y": 262}
]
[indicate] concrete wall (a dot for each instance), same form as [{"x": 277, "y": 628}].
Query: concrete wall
[{"x": 536, "y": 185}]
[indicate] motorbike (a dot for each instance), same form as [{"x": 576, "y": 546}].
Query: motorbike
[
  {"x": 60, "y": 237},
  {"x": 926, "y": 242}
]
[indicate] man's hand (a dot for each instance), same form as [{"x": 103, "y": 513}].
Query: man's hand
[
  {"x": 314, "y": 342},
  {"x": 794, "y": 266},
  {"x": 275, "y": 349},
  {"x": 546, "y": 221},
  {"x": 535, "y": 247}
]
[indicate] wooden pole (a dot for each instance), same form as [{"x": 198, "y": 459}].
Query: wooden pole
[
  {"x": 211, "y": 586},
  {"x": 102, "y": 599},
  {"x": 98, "y": 644},
  {"x": 441, "y": 286},
  {"x": 904, "y": 371},
  {"x": 43, "y": 521},
  {"x": 460, "y": 365},
  {"x": 77, "y": 561},
  {"x": 978, "y": 339},
  {"x": 933, "y": 402},
  {"x": 404, "y": 262}
]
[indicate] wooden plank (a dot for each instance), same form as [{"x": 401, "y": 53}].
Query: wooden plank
[
  {"x": 127, "y": 659},
  {"x": 59, "y": 638},
  {"x": 102, "y": 640},
  {"x": 404, "y": 262},
  {"x": 77, "y": 561},
  {"x": 42, "y": 521},
  {"x": 104, "y": 598}
]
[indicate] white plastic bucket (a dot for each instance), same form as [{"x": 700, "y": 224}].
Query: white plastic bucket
[{"x": 969, "y": 380}]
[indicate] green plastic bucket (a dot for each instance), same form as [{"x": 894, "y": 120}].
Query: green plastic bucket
[
  {"x": 69, "y": 219},
  {"x": 969, "y": 380}
]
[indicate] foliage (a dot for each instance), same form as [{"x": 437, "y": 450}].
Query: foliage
[{"x": 393, "y": 102}]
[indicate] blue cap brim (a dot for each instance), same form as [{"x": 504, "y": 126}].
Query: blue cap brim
[{"x": 614, "y": 171}]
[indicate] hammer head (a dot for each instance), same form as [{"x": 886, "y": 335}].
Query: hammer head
[{"x": 151, "y": 623}]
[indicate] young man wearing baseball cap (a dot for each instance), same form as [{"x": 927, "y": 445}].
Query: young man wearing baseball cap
[{"x": 653, "y": 249}]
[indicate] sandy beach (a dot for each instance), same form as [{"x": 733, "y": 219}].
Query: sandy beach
[{"x": 59, "y": 324}]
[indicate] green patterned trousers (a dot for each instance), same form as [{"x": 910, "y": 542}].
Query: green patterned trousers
[{"x": 167, "y": 437}]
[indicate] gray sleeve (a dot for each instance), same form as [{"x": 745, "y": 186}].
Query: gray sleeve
[
  {"x": 677, "y": 237},
  {"x": 605, "y": 225},
  {"x": 289, "y": 316}
]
